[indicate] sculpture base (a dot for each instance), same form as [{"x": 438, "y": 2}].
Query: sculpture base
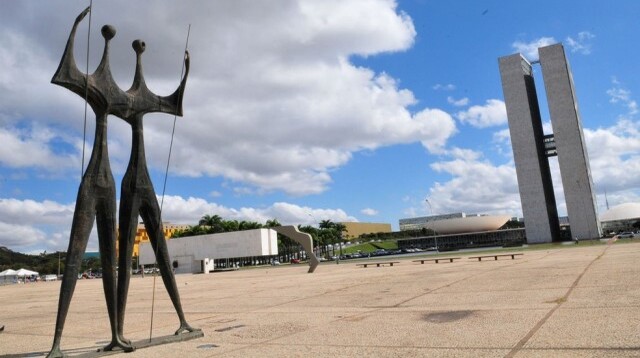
[{"x": 145, "y": 343}]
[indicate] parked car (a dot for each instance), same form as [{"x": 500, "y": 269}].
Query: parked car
[
  {"x": 275, "y": 263},
  {"x": 295, "y": 261},
  {"x": 626, "y": 235}
]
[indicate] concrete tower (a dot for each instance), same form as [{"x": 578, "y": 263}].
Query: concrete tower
[
  {"x": 531, "y": 148},
  {"x": 527, "y": 139}
]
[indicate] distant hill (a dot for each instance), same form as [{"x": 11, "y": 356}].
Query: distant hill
[{"x": 44, "y": 263}]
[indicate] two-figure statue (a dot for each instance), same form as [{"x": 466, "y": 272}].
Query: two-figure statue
[{"x": 97, "y": 194}]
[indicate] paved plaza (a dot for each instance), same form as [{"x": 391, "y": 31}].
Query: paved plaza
[{"x": 578, "y": 301}]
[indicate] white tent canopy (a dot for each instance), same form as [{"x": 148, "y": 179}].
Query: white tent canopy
[
  {"x": 24, "y": 272},
  {"x": 8, "y": 276},
  {"x": 8, "y": 272}
]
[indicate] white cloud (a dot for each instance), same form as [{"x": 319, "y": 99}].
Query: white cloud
[
  {"x": 32, "y": 147},
  {"x": 369, "y": 212},
  {"x": 189, "y": 210},
  {"x": 619, "y": 94},
  {"x": 530, "y": 49},
  {"x": 458, "y": 102},
  {"x": 614, "y": 153},
  {"x": 493, "y": 113},
  {"x": 476, "y": 186},
  {"x": 581, "y": 44},
  {"x": 434, "y": 127},
  {"x": 502, "y": 142},
  {"x": 273, "y": 105},
  {"x": 28, "y": 225}
]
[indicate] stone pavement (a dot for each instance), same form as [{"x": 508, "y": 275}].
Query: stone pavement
[{"x": 578, "y": 301}]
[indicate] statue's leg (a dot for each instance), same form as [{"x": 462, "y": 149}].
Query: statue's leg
[
  {"x": 150, "y": 212},
  {"x": 81, "y": 225},
  {"x": 128, "y": 219},
  {"x": 106, "y": 220}
]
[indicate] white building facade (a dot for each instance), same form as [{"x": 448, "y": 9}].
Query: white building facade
[{"x": 198, "y": 253}]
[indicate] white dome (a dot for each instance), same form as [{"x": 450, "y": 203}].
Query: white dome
[
  {"x": 622, "y": 212},
  {"x": 468, "y": 224}
]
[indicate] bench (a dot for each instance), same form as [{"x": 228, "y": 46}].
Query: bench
[
  {"x": 513, "y": 256},
  {"x": 378, "y": 264},
  {"x": 437, "y": 259}
]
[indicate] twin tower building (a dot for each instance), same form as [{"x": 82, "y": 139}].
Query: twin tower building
[{"x": 532, "y": 148}]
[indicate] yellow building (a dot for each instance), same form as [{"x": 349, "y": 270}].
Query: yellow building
[
  {"x": 142, "y": 236},
  {"x": 355, "y": 229}
]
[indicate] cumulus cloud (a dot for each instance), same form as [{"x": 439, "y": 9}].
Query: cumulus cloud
[
  {"x": 28, "y": 225},
  {"x": 614, "y": 152},
  {"x": 33, "y": 148},
  {"x": 33, "y": 226},
  {"x": 492, "y": 113},
  {"x": 435, "y": 127},
  {"x": 581, "y": 43},
  {"x": 530, "y": 49},
  {"x": 272, "y": 103},
  {"x": 476, "y": 186},
  {"x": 189, "y": 210}
]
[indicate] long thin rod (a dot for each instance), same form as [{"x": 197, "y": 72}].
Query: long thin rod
[
  {"x": 164, "y": 186},
  {"x": 86, "y": 91}
]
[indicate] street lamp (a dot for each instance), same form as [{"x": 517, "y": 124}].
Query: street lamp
[{"x": 428, "y": 203}]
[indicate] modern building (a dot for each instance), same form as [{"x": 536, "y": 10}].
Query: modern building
[
  {"x": 455, "y": 223},
  {"x": 532, "y": 148},
  {"x": 355, "y": 229},
  {"x": 203, "y": 253},
  {"x": 143, "y": 237},
  {"x": 620, "y": 218}
]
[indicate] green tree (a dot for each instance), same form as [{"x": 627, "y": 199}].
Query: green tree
[
  {"x": 214, "y": 222},
  {"x": 272, "y": 223}
]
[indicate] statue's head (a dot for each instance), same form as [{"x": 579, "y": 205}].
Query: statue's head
[
  {"x": 108, "y": 32},
  {"x": 138, "y": 46}
]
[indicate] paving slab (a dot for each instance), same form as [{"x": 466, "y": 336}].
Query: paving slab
[{"x": 581, "y": 301}]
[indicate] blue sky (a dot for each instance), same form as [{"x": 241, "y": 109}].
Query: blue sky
[{"x": 307, "y": 110}]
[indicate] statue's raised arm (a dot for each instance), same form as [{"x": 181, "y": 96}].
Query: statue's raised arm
[
  {"x": 68, "y": 75},
  {"x": 145, "y": 101}
]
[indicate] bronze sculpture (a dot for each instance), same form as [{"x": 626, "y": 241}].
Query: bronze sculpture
[
  {"x": 138, "y": 196},
  {"x": 96, "y": 195}
]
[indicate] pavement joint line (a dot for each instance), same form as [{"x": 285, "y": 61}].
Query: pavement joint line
[{"x": 544, "y": 319}]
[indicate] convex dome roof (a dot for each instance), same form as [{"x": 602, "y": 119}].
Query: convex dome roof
[{"x": 622, "y": 212}]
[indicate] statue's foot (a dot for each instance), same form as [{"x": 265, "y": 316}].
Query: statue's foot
[
  {"x": 121, "y": 344},
  {"x": 124, "y": 340},
  {"x": 55, "y": 353},
  {"x": 185, "y": 327}
]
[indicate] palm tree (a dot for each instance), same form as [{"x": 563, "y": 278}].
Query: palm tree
[
  {"x": 212, "y": 221},
  {"x": 231, "y": 225},
  {"x": 325, "y": 224},
  {"x": 272, "y": 223},
  {"x": 339, "y": 228},
  {"x": 249, "y": 225}
]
